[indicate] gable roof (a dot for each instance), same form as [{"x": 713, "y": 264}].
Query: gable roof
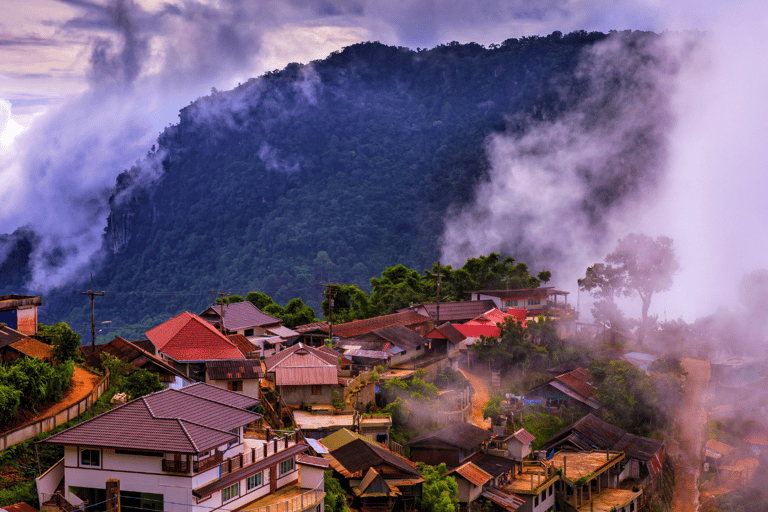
[
  {"x": 358, "y": 327},
  {"x": 577, "y": 381},
  {"x": 447, "y": 332},
  {"x": 128, "y": 352},
  {"x": 239, "y": 315},
  {"x": 587, "y": 433},
  {"x": 241, "y": 342},
  {"x": 493, "y": 464},
  {"x": 374, "y": 485},
  {"x": 222, "y": 396},
  {"x": 187, "y": 337},
  {"x": 357, "y": 456},
  {"x": 523, "y": 436},
  {"x": 473, "y": 474},
  {"x": 301, "y": 365},
  {"x": 335, "y": 357},
  {"x": 454, "y": 311},
  {"x": 460, "y": 435},
  {"x": 491, "y": 317},
  {"x": 234, "y": 369},
  {"x": 401, "y": 336},
  {"x": 182, "y": 421}
]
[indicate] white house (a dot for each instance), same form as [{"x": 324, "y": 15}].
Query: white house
[{"x": 181, "y": 450}]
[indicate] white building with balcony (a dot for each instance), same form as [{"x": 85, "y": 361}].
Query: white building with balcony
[{"x": 186, "y": 450}]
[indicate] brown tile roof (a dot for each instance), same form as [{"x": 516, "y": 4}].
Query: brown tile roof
[
  {"x": 473, "y": 474},
  {"x": 242, "y": 343},
  {"x": 187, "y": 337},
  {"x": 222, "y": 396},
  {"x": 167, "y": 421},
  {"x": 460, "y": 435},
  {"x": 455, "y": 311},
  {"x": 358, "y": 327},
  {"x": 357, "y": 456},
  {"x": 239, "y": 315},
  {"x": 314, "y": 326},
  {"x": 234, "y": 369},
  {"x": 33, "y": 348}
]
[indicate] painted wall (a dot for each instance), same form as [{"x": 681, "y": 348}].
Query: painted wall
[{"x": 250, "y": 386}]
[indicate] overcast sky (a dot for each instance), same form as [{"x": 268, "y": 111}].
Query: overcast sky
[{"x": 86, "y": 86}]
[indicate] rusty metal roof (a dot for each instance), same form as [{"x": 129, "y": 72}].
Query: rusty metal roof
[
  {"x": 455, "y": 311},
  {"x": 475, "y": 475},
  {"x": 461, "y": 435},
  {"x": 33, "y": 348},
  {"x": 128, "y": 352},
  {"x": 507, "y": 500},
  {"x": 8, "y": 336},
  {"x": 358, "y": 327},
  {"x": 166, "y": 421},
  {"x": 521, "y": 293}
]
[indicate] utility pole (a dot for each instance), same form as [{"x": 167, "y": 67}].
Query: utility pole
[
  {"x": 93, "y": 317},
  {"x": 221, "y": 309},
  {"x": 439, "y": 273},
  {"x": 330, "y": 293}
]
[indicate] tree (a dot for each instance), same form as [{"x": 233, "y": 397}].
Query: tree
[
  {"x": 639, "y": 264},
  {"x": 398, "y": 287},
  {"x": 517, "y": 346},
  {"x": 349, "y": 303},
  {"x": 65, "y": 341},
  {"x": 141, "y": 382},
  {"x": 335, "y": 497},
  {"x": 439, "y": 491}
]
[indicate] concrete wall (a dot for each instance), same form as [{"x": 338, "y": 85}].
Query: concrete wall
[
  {"x": 250, "y": 386},
  {"x": 297, "y": 395}
]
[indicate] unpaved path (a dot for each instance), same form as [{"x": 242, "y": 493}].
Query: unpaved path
[
  {"x": 686, "y": 450},
  {"x": 479, "y": 399}
]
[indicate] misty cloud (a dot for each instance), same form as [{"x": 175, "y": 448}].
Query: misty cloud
[{"x": 556, "y": 191}]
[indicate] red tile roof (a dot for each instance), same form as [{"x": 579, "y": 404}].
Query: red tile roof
[
  {"x": 475, "y": 331},
  {"x": 242, "y": 343},
  {"x": 447, "y": 332},
  {"x": 19, "y": 507},
  {"x": 358, "y": 327},
  {"x": 473, "y": 474},
  {"x": 187, "y": 337},
  {"x": 33, "y": 348},
  {"x": 524, "y": 436}
]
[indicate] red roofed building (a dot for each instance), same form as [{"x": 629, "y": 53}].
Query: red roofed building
[{"x": 187, "y": 341}]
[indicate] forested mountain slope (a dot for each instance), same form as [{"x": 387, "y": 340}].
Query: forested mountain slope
[{"x": 324, "y": 172}]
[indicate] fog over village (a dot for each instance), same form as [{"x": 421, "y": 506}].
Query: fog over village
[{"x": 383, "y": 256}]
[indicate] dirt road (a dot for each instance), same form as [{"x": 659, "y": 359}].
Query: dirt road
[
  {"x": 479, "y": 399},
  {"x": 686, "y": 451}
]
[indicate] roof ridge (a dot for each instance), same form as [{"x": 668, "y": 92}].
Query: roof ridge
[
  {"x": 210, "y": 399},
  {"x": 189, "y": 437},
  {"x": 89, "y": 420}
]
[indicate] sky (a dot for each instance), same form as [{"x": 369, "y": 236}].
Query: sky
[{"x": 86, "y": 86}]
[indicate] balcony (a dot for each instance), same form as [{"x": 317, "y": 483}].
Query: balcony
[
  {"x": 256, "y": 450},
  {"x": 291, "y": 498},
  {"x": 198, "y": 466}
]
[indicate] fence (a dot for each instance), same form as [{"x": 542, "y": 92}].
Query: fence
[
  {"x": 16, "y": 436},
  {"x": 297, "y": 503}
]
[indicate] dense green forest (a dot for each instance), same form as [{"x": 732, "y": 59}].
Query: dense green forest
[{"x": 318, "y": 173}]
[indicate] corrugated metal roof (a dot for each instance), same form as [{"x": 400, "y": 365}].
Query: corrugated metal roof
[
  {"x": 454, "y": 311},
  {"x": 401, "y": 336},
  {"x": 460, "y": 435},
  {"x": 473, "y": 474},
  {"x": 359, "y": 455},
  {"x": 317, "y": 462},
  {"x": 358, "y": 327},
  {"x": 131, "y": 353},
  {"x": 368, "y": 354},
  {"x": 306, "y": 375},
  {"x": 282, "y": 331},
  {"x": 33, "y": 348},
  {"x": 522, "y": 293},
  {"x": 300, "y": 355},
  {"x": 594, "y": 404},
  {"x": 507, "y": 500},
  {"x": 8, "y": 336}
]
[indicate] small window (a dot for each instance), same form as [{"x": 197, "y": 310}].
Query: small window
[
  {"x": 543, "y": 495},
  {"x": 550, "y": 489},
  {"x": 231, "y": 492},
  {"x": 534, "y": 302},
  {"x": 286, "y": 466},
  {"x": 536, "y": 501},
  {"x": 632, "y": 507},
  {"x": 235, "y": 385},
  {"x": 253, "y": 481},
  {"x": 90, "y": 458},
  {"x": 248, "y": 332},
  {"x": 236, "y": 432}
]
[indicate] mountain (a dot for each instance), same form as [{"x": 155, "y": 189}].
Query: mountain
[{"x": 326, "y": 172}]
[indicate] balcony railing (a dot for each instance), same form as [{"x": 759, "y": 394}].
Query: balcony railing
[
  {"x": 296, "y": 504},
  {"x": 255, "y": 454},
  {"x": 198, "y": 466}
]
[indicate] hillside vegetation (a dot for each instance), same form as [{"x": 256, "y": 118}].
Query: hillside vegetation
[{"x": 326, "y": 172}]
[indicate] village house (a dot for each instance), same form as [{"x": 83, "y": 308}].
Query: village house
[
  {"x": 19, "y": 312},
  {"x": 240, "y": 375},
  {"x": 186, "y": 341},
  {"x": 379, "y": 479},
  {"x": 304, "y": 375},
  {"x": 532, "y": 489},
  {"x": 452, "y": 445},
  {"x": 545, "y": 301},
  {"x": 186, "y": 450},
  {"x": 265, "y": 331},
  {"x": 570, "y": 389},
  {"x": 16, "y": 345},
  {"x": 452, "y": 312},
  {"x": 136, "y": 357},
  {"x": 515, "y": 446}
]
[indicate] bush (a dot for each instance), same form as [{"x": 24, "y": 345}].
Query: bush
[{"x": 10, "y": 398}]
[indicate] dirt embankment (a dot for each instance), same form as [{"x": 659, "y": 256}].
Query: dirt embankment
[{"x": 479, "y": 399}]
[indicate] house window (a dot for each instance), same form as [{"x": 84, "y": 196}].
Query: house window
[
  {"x": 317, "y": 390},
  {"x": 536, "y": 501},
  {"x": 286, "y": 466},
  {"x": 91, "y": 458},
  {"x": 236, "y": 432},
  {"x": 632, "y": 507},
  {"x": 248, "y": 332},
  {"x": 231, "y": 492},
  {"x": 534, "y": 302},
  {"x": 235, "y": 385},
  {"x": 550, "y": 490},
  {"x": 253, "y": 482},
  {"x": 510, "y": 303}
]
